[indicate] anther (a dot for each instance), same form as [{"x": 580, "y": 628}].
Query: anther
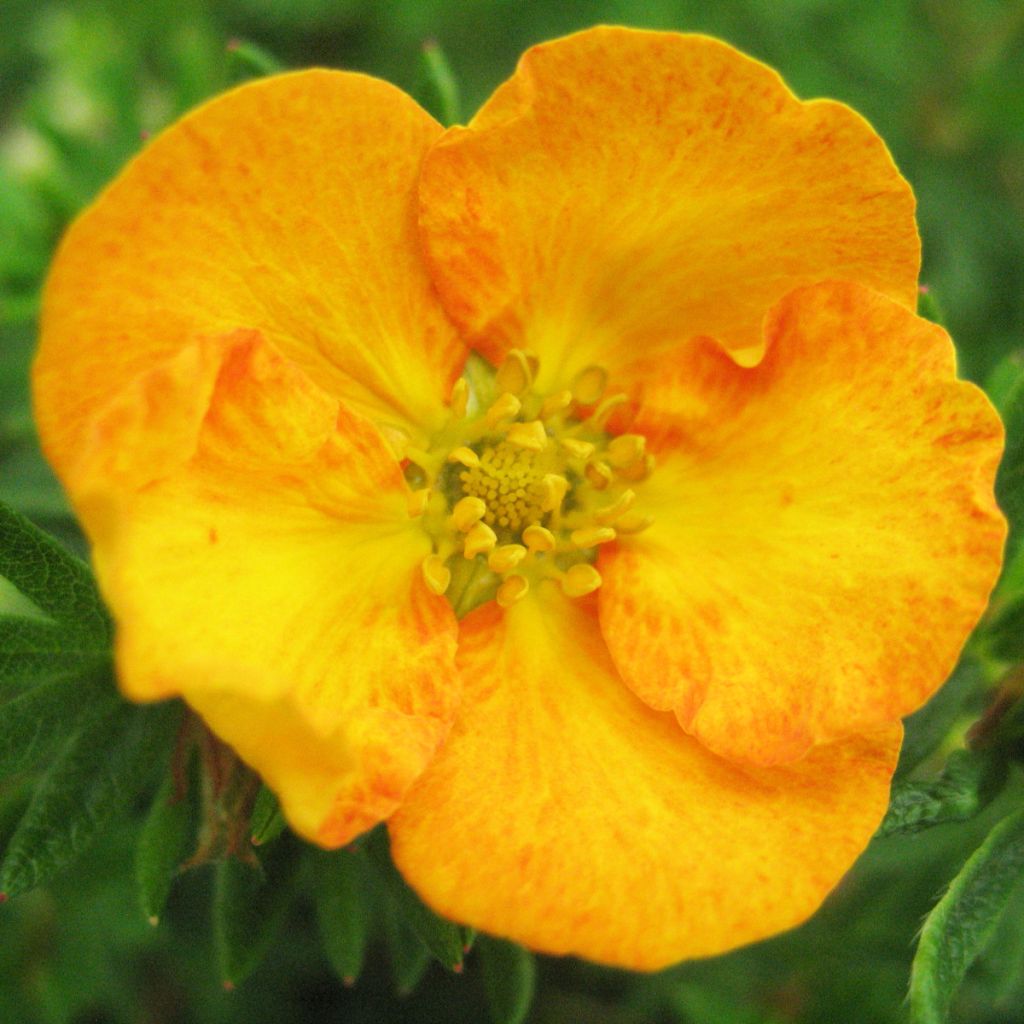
[
  {"x": 506, "y": 558},
  {"x": 554, "y": 404},
  {"x": 553, "y": 488},
  {"x": 504, "y": 408},
  {"x": 466, "y": 456},
  {"x": 460, "y": 398},
  {"x": 589, "y": 385},
  {"x": 467, "y": 512},
  {"x": 598, "y": 419},
  {"x": 580, "y": 579},
  {"x": 513, "y": 589},
  {"x": 625, "y": 449},
  {"x": 633, "y": 522},
  {"x": 514, "y": 375},
  {"x": 436, "y": 574},
  {"x": 576, "y": 448},
  {"x": 539, "y": 538},
  {"x": 417, "y": 502},
  {"x": 528, "y": 435},
  {"x": 639, "y": 470},
  {"x": 622, "y": 504},
  {"x": 591, "y": 536},
  {"x": 480, "y": 539},
  {"x": 599, "y": 474}
]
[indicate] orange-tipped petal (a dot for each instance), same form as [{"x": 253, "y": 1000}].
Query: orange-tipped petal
[
  {"x": 284, "y": 206},
  {"x": 825, "y": 534},
  {"x": 564, "y": 814},
  {"x": 259, "y": 560},
  {"x": 625, "y": 190}
]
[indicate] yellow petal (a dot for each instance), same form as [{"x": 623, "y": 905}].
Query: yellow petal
[
  {"x": 825, "y": 534},
  {"x": 564, "y": 814},
  {"x": 284, "y": 206},
  {"x": 625, "y": 190},
  {"x": 268, "y": 572}
]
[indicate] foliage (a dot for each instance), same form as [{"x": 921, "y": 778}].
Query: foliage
[{"x": 232, "y": 919}]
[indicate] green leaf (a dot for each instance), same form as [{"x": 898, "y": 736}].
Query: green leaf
[
  {"x": 929, "y": 726},
  {"x": 163, "y": 843},
  {"x": 92, "y": 779},
  {"x": 249, "y": 903},
  {"x": 969, "y": 782},
  {"x": 510, "y": 977},
  {"x": 31, "y": 723},
  {"x": 34, "y": 650},
  {"x": 929, "y": 307},
  {"x": 409, "y": 957},
  {"x": 958, "y": 928},
  {"x": 267, "y": 821},
  {"x": 247, "y": 60},
  {"x": 1010, "y": 479},
  {"x": 57, "y": 582},
  {"x": 1005, "y": 634},
  {"x": 438, "y": 90},
  {"x": 343, "y": 910},
  {"x": 443, "y": 939}
]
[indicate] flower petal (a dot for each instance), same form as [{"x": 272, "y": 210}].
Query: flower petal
[
  {"x": 825, "y": 532},
  {"x": 284, "y": 206},
  {"x": 564, "y": 814},
  {"x": 265, "y": 570},
  {"x": 625, "y": 190}
]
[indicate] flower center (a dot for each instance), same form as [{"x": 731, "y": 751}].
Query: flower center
[{"x": 526, "y": 488}]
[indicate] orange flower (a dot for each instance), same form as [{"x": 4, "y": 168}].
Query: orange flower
[{"x": 720, "y": 518}]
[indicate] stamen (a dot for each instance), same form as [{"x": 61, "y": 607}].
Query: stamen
[
  {"x": 466, "y": 456},
  {"x": 417, "y": 502},
  {"x": 467, "y": 512},
  {"x": 599, "y": 474},
  {"x": 528, "y": 435},
  {"x": 507, "y": 557},
  {"x": 554, "y": 404},
  {"x": 538, "y": 538},
  {"x": 553, "y": 489},
  {"x": 459, "y": 401},
  {"x": 591, "y": 536},
  {"x": 436, "y": 574},
  {"x": 576, "y": 448},
  {"x": 480, "y": 539},
  {"x": 639, "y": 470},
  {"x": 580, "y": 579},
  {"x": 633, "y": 522},
  {"x": 625, "y": 449},
  {"x": 504, "y": 408},
  {"x": 514, "y": 375},
  {"x": 622, "y": 504},
  {"x": 589, "y": 385},
  {"x": 512, "y": 590},
  {"x": 598, "y": 420}
]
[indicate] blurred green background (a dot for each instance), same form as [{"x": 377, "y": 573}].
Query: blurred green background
[{"x": 82, "y": 83}]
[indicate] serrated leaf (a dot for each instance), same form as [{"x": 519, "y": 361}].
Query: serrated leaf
[
  {"x": 442, "y": 938},
  {"x": 267, "y": 821},
  {"x": 95, "y": 776},
  {"x": 510, "y": 978},
  {"x": 343, "y": 910},
  {"x": 969, "y": 782},
  {"x": 249, "y": 903},
  {"x": 58, "y": 583},
  {"x": 438, "y": 91},
  {"x": 162, "y": 845},
  {"x": 31, "y": 723},
  {"x": 927, "y": 727},
  {"x": 960, "y": 925}
]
